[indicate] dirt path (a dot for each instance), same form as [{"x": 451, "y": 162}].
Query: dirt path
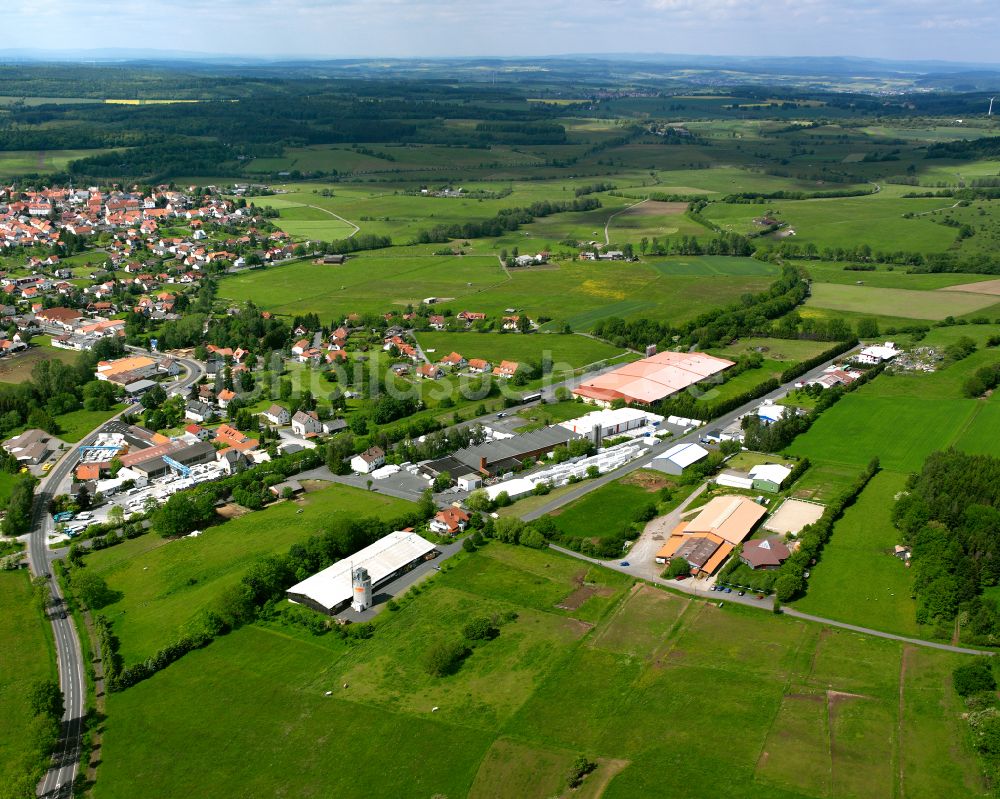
[
  {"x": 607, "y": 225},
  {"x": 656, "y": 532},
  {"x": 337, "y": 216}
]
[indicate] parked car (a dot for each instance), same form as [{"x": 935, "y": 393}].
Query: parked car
[
  {"x": 728, "y": 590},
  {"x": 741, "y": 593}
]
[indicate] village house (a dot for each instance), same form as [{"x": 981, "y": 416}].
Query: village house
[
  {"x": 449, "y": 521},
  {"x": 277, "y": 415},
  {"x": 368, "y": 461}
]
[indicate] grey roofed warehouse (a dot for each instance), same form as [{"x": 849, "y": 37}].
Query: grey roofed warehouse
[{"x": 497, "y": 456}]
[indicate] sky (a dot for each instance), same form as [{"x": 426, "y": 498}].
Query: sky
[{"x": 952, "y": 30}]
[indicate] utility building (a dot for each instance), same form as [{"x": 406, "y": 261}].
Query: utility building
[{"x": 337, "y": 586}]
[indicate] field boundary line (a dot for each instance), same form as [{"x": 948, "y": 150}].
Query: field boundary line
[
  {"x": 607, "y": 238},
  {"x": 338, "y": 216}
]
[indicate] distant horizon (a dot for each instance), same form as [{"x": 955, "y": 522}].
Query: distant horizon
[
  {"x": 120, "y": 54},
  {"x": 893, "y": 30}
]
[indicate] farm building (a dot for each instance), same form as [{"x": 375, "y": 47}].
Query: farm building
[
  {"x": 708, "y": 539},
  {"x": 331, "y": 590},
  {"x": 765, "y": 553},
  {"x": 612, "y": 422},
  {"x": 676, "y": 459},
  {"x": 769, "y": 476},
  {"x": 877, "y": 354},
  {"x": 651, "y": 379}
]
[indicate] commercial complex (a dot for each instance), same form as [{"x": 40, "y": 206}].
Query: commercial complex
[{"x": 651, "y": 379}]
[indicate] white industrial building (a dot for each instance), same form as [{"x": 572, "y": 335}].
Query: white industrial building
[
  {"x": 612, "y": 422},
  {"x": 332, "y": 589},
  {"x": 676, "y": 459},
  {"x": 877, "y": 354}
]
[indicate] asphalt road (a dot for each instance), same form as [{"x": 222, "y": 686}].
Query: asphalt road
[{"x": 58, "y": 780}]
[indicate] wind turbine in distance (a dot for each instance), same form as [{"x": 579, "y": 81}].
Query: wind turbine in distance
[{"x": 990, "y": 112}]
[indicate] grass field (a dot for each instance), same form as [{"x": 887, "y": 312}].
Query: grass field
[
  {"x": 27, "y": 655},
  {"x": 858, "y": 580},
  {"x": 17, "y": 368},
  {"x": 900, "y": 431},
  {"x": 774, "y": 349},
  {"x": 603, "y": 512},
  {"x": 622, "y": 679},
  {"x": 75, "y": 425},
  {"x": 163, "y": 584},
  {"x": 20, "y": 162},
  {"x": 574, "y": 351},
  {"x": 898, "y": 302},
  {"x": 580, "y": 293}
]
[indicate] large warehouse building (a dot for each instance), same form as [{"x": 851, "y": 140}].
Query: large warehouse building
[
  {"x": 331, "y": 590},
  {"x": 651, "y": 379}
]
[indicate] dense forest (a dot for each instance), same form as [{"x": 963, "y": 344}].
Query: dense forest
[{"x": 951, "y": 518}]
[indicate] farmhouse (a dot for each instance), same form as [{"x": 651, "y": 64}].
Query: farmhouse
[
  {"x": 877, "y": 354},
  {"x": 676, "y": 459},
  {"x": 331, "y": 590},
  {"x": 306, "y": 423},
  {"x": 277, "y": 415},
  {"x": 449, "y": 521},
  {"x": 505, "y": 369},
  {"x": 651, "y": 379}
]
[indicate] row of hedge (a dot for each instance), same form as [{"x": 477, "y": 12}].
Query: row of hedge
[
  {"x": 788, "y": 581},
  {"x": 800, "y": 369}
]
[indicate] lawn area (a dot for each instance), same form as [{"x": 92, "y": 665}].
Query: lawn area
[
  {"x": 603, "y": 512},
  {"x": 825, "y": 481},
  {"x": 165, "y": 583},
  {"x": 900, "y": 431},
  {"x": 570, "y": 350},
  {"x": 858, "y": 580},
  {"x": 30, "y": 162},
  {"x": 617, "y": 680},
  {"x": 552, "y": 413},
  {"x": 75, "y": 425},
  {"x": 897, "y": 302},
  {"x": 27, "y": 655},
  {"x": 774, "y": 349}
]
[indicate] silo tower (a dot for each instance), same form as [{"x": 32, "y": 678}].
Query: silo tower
[{"x": 362, "y": 584}]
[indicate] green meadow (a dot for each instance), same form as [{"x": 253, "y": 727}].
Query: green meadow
[
  {"x": 572, "y": 350},
  {"x": 27, "y": 655},
  {"x": 578, "y": 292},
  {"x": 586, "y": 664},
  {"x": 162, "y": 584}
]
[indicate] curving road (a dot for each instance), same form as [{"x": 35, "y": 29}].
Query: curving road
[{"x": 58, "y": 780}]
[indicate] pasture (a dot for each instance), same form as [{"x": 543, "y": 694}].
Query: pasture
[
  {"x": 875, "y": 220},
  {"x": 858, "y": 580},
  {"x": 14, "y": 163},
  {"x": 897, "y": 302},
  {"x": 27, "y": 655},
  {"x": 603, "y": 512},
  {"x": 622, "y": 681},
  {"x": 571, "y": 350},
  {"x": 578, "y": 292},
  {"x": 165, "y": 583},
  {"x": 900, "y": 431}
]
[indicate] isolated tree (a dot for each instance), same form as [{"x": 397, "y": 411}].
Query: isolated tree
[{"x": 677, "y": 567}]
